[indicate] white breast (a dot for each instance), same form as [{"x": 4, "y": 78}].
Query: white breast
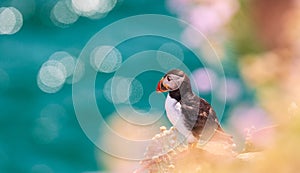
[{"x": 173, "y": 110}]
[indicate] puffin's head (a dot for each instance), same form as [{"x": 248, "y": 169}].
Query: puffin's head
[{"x": 171, "y": 81}]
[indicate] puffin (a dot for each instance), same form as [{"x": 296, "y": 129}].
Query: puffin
[{"x": 190, "y": 114}]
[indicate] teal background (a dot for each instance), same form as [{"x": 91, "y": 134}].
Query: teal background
[{"x": 21, "y": 101}]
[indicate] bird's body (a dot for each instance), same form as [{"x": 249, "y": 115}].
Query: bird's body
[
  {"x": 174, "y": 114},
  {"x": 191, "y": 115}
]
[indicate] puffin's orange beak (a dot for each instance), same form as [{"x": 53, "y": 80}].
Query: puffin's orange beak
[{"x": 160, "y": 87}]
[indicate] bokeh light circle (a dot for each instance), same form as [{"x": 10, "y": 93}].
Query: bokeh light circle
[
  {"x": 205, "y": 80},
  {"x": 48, "y": 124},
  {"x": 136, "y": 91},
  {"x": 86, "y": 6},
  {"x": 121, "y": 90},
  {"x": 47, "y": 89},
  {"x": 245, "y": 116},
  {"x": 62, "y": 14},
  {"x": 66, "y": 59},
  {"x": 52, "y": 75},
  {"x": 125, "y": 91},
  {"x": 80, "y": 67},
  {"x": 11, "y": 20},
  {"x": 157, "y": 25},
  {"x": 58, "y": 70},
  {"x": 106, "y": 59},
  {"x": 27, "y": 9},
  {"x": 232, "y": 92},
  {"x": 165, "y": 60},
  {"x": 92, "y": 8},
  {"x": 106, "y": 6}
]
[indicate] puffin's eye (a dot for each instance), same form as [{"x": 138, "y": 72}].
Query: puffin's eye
[{"x": 168, "y": 78}]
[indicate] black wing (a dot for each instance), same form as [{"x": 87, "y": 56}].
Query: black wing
[{"x": 200, "y": 117}]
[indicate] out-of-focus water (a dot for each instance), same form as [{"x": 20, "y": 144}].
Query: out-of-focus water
[{"x": 38, "y": 130}]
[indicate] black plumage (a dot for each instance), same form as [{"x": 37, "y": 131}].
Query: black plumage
[{"x": 198, "y": 113}]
